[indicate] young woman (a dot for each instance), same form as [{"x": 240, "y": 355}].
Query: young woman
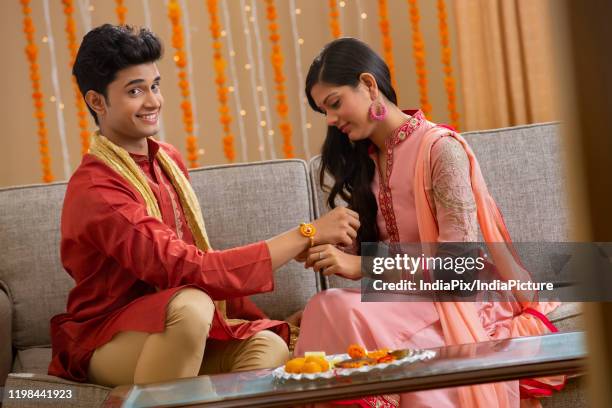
[{"x": 409, "y": 180}]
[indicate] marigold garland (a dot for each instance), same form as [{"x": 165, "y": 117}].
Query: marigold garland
[
  {"x": 70, "y": 29},
  {"x": 180, "y": 58},
  {"x": 121, "y": 11},
  {"x": 334, "y": 23},
  {"x": 418, "y": 52},
  {"x": 449, "y": 81},
  {"x": 277, "y": 62},
  {"x": 31, "y": 51},
  {"x": 386, "y": 39},
  {"x": 356, "y": 351},
  {"x": 220, "y": 80}
]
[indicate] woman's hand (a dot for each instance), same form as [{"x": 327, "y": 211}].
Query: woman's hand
[
  {"x": 329, "y": 260},
  {"x": 339, "y": 226}
]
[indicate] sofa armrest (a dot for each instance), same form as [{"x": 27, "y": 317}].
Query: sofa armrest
[{"x": 6, "y": 342}]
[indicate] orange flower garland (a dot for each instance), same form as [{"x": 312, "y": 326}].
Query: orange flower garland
[
  {"x": 121, "y": 11},
  {"x": 73, "y": 49},
  {"x": 386, "y": 39},
  {"x": 222, "y": 91},
  {"x": 180, "y": 58},
  {"x": 334, "y": 24},
  {"x": 277, "y": 62},
  {"x": 449, "y": 81},
  {"x": 418, "y": 52},
  {"x": 32, "y": 54}
]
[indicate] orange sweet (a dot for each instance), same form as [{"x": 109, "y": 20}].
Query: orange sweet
[
  {"x": 320, "y": 361},
  {"x": 378, "y": 354},
  {"x": 311, "y": 367},
  {"x": 295, "y": 365}
]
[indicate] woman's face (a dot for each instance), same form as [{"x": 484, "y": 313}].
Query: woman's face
[{"x": 346, "y": 108}]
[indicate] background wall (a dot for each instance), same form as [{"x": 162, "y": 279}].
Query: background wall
[{"x": 20, "y": 162}]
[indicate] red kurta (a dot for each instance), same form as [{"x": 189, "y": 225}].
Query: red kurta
[{"x": 118, "y": 255}]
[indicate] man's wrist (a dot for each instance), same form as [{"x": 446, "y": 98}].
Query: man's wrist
[{"x": 309, "y": 231}]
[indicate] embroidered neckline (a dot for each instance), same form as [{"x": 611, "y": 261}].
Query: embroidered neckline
[{"x": 385, "y": 197}]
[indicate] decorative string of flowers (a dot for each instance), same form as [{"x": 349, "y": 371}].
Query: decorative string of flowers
[
  {"x": 31, "y": 51},
  {"x": 383, "y": 23},
  {"x": 418, "y": 52},
  {"x": 334, "y": 23},
  {"x": 298, "y": 42},
  {"x": 121, "y": 11},
  {"x": 220, "y": 80},
  {"x": 180, "y": 59},
  {"x": 277, "y": 62},
  {"x": 73, "y": 47},
  {"x": 449, "y": 80}
]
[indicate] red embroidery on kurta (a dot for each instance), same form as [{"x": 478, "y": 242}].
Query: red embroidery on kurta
[{"x": 385, "y": 198}]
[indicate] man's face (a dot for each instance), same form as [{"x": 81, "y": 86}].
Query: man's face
[{"x": 133, "y": 103}]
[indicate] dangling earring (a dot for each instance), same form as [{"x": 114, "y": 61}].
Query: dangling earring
[{"x": 377, "y": 110}]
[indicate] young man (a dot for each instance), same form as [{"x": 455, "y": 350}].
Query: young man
[{"x": 151, "y": 300}]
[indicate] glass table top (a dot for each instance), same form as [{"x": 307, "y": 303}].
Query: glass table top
[{"x": 476, "y": 363}]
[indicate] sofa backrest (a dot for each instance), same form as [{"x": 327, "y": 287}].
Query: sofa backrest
[
  {"x": 522, "y": 166},
  {"x": 244, "y": 203},
  {"x": 241, "y": 204}
]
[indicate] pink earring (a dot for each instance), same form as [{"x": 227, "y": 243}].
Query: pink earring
[{"x": 377, "y": 111}]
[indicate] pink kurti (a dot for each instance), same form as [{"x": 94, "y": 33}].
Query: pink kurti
[{"x": 335, "y": 318}]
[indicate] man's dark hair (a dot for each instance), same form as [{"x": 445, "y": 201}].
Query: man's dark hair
[{"x": 107, "y": 49}]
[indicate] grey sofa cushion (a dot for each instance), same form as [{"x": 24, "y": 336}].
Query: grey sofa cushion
[
  {"x": 522, "y": 166},
  {"x": 33, "y": 360},
  {"x": 572, "y": 396},
  {"x": 567, "y": 317},
  {"x": 30, "y": 264},
  {"x": 6, "y": 345}
]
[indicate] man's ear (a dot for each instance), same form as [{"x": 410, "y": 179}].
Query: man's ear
[
  {"x": 96, "y": 102},
  {"x": 369, "y": 82}
]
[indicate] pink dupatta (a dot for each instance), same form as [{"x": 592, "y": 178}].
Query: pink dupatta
[{"x": 460, "y": 321}]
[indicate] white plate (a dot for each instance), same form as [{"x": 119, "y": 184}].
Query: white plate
[{"x": 418, "y": 355}]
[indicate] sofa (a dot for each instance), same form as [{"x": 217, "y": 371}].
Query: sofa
[{"x": 244, "y": 203}]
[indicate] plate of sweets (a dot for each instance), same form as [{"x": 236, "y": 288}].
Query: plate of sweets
[{"x": 315, "y": 364}]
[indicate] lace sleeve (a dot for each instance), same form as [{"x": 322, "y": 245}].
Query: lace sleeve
[{"x": 453, "y": 199}]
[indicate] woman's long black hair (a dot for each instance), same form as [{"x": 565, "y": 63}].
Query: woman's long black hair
[{"x": 341, "y": 62}]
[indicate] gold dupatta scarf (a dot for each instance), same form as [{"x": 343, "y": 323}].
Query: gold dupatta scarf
[{"x": 118, "y": 159}]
